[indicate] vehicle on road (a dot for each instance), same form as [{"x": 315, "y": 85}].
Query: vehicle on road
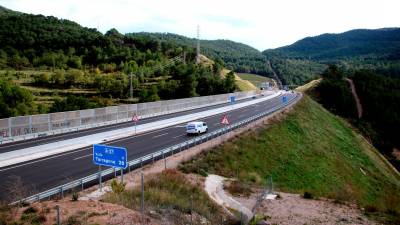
[{"x": 197, "y": 127}]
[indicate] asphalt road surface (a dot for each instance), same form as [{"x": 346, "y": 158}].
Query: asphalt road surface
[
  {"x": 7, "y": 147},
  {"x": 42, "y": 174}
]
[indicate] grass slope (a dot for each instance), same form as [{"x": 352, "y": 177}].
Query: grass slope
[
  {"x": 255, "y": 79},
  {"x": 311, "y": 150}
]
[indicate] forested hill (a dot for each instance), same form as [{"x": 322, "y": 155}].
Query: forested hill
[
  {"x": 237, "y": 56},
  {"x": 377, "y": 50},
  {"x": 49, "y": 64},
  {"x": 380, "y": 44}
]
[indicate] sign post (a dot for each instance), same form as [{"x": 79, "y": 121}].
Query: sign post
[
  {"x": 135, "y": 119},
  {"x": 104, "y": 155}
]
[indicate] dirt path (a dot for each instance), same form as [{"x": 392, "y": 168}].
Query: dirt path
[
  {"x": 215, "y": 189},
  {"x": 275, "y": 75},
  {"x": 292, "y": 209},
  {"x": 358, "y": 102}
]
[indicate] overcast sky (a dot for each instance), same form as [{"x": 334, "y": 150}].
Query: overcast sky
[{"x": 262, "y": 24}]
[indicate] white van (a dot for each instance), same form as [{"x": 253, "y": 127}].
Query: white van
[{"x": 196, "y": 127}]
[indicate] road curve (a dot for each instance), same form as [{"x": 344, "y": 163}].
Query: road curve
[{"x": 42, "y": 174}]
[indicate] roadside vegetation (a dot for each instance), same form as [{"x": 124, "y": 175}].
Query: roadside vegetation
[
  {"x": 379, "y": 96},
  {"x": 171, "y": 196},
  {"x": 310, "y": 151}
]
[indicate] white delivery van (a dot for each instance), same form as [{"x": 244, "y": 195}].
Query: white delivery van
[{"x": 196, "y": 127}]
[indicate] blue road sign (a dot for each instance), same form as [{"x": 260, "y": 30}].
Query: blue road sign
[
  {"x": 232, "y": 98},
  {"x": 110, "y": 156},
  {"x": 284, "y": 99}
]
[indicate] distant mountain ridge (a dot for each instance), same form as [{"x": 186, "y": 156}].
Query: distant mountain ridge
[{"x": 378, "y": 43}]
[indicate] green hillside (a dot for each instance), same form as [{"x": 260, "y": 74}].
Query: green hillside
[
  {"x": 377, "y": 50},
  {"x": 64, "y": 66},
  {"x": 379, "y": 97},
  {"x": 310, "y": 150},
  {"x": 379, "y": 43},
  {"x": 237, "y": 56}
]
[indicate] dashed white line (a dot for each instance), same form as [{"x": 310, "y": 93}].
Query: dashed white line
[
  {"x": 157, "y": 136},
  {"x": 83, "y": 157},
  {"x": 180, "y": 136}
]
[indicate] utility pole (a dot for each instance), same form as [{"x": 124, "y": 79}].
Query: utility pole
[{"x": 198, "y": 45}]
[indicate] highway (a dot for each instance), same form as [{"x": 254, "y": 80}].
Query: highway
[
  {"x": 7, "y": 147},
  {"x": 45, "y": 173}
]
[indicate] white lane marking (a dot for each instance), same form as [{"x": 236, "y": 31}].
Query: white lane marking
[
  {"x": 157, "y": 136},
  {"x": 81, "y": 157},
  {"x": 180, "y": 136},
  {"x": 181, "y": 126},
  {"x": 44, "y": 159}
]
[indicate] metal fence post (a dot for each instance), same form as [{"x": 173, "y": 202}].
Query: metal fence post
[
  {"x": 100, "y": 187},
  {"x": 142, "y": 195},
  {"x": 165, "y": 161},
  {"x": 122, "y": 175},
  {"x": 58, "y": 214}
]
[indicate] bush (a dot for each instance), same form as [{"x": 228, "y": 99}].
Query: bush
[
  {"x": 29, "y": 210},
  {"x": 75, "y": 196},
  {"x": 237, "y": 188},
  {"x": 117, "y": 187},
  {"x": 308, "y": 195}
]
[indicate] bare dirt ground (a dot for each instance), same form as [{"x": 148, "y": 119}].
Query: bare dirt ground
[
  {"x": 292, "y": 209},
  {"x": 88, "y": 212}
]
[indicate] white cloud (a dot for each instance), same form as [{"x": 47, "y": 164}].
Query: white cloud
[{"x": 261, "y": 24}]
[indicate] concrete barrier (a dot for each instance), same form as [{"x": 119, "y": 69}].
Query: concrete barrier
[{"x": 27, "y": 127}]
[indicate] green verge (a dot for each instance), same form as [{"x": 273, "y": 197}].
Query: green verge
[{"x": 310, "y": 150}]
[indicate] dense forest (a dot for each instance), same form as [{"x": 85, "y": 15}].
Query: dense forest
[
  {"x": 380, "y": 97},
  {"x": 65, "y": 56}
]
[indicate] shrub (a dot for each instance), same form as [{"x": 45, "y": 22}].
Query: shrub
[
  {"x": 75, "y": 196},
  {"x": 117, "y": 187},
  {"x": 308, "y": 195},
  {"x": 237, "y": 188}
]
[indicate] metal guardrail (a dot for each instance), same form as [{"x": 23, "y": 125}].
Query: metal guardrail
[{"x": 138, "y": 163}]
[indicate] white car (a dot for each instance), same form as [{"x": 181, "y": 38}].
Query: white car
[{"x": 196, "y": 127}]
